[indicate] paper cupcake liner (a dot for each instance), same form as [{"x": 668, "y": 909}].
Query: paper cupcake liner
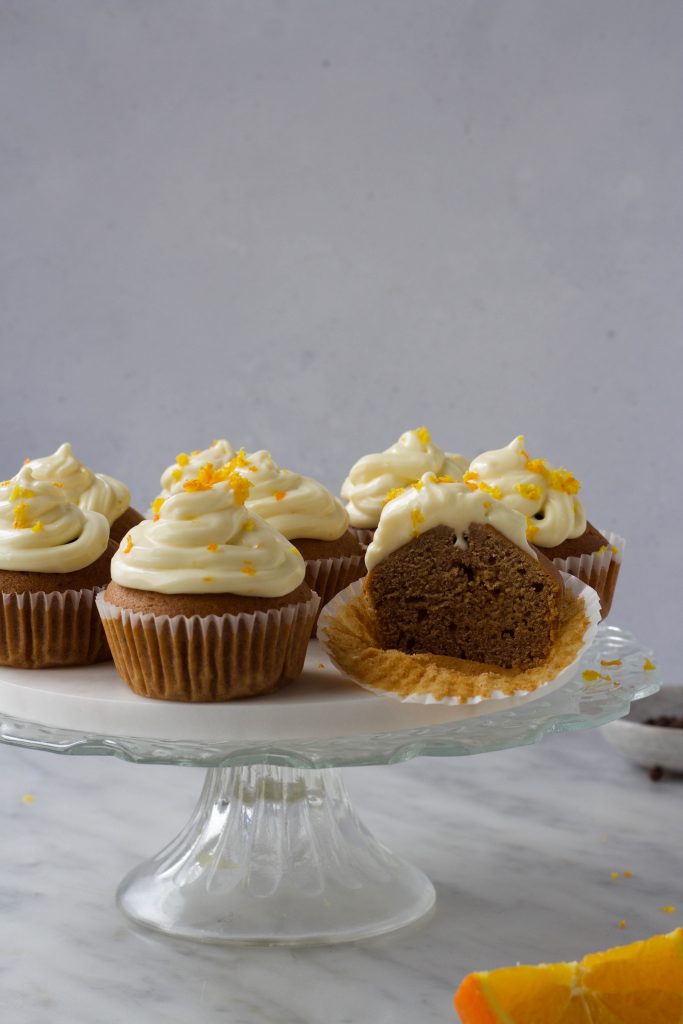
[
  {"x": 208, "y": 657},
  {"x": 345, "y": 631},
  {"x": 599, "y": 570},
  {"x": 46, "y": 629},
  {"x": 363, "y": 536},
  {"x": 327, "y": 576}
]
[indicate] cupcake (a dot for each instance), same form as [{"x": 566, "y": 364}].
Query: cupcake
[
  {"x": 187, "y": 466},
  {"x": 207, "y": 601},
  {"x": 92, "y": 492},
  {"x": 456, "y": 605},
  {"x": 373, "y": 477},
  {"x": 310, "y": 517},
  {"x": 556, "y": 520},
  {"x": 54, "y": 557}
]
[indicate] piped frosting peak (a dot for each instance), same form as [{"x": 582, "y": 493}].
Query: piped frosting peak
[
  {"x": 188, "y": 465},
  {"x": 373, "y": 477},
  {"x": 92, "y": 492},
  {"x": 546, "y": 495}
]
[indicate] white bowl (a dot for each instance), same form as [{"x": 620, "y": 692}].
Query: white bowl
[{"x": 650, "y": 745}]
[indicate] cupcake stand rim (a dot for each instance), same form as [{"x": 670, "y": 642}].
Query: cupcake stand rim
[{"x": 274, "y": 852}]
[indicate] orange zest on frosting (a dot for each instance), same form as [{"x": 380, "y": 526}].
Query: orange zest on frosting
[
  {"x": 20, "y": 521},
  {"x": 416, "y": 518},
  {"x": 423, "y": 435},
  {"x": 471, "y": 479},
  {"x": 532, "y": 492},
  {"x": 239, "y": 485},
  {"x": 156, "y": 507},
  {"x": 239, "y": 461},
  {"x": 37, "y": 526},
  {"x": 531, "y": 528},
  {"x": 248, "y": 568},
  {"x": 129, "y": 545},
  {"x": 607, "y": 664},
  {"x": 393, "y": 493},
  {"x": 279, "y": 495},
  {"x": 248, "y": 526},
  {"x": 182, "y": 459},
  {"x": 21, "y": 492},
  {"x": 212, "y": 547},
  {"x": 56, "y": 483}
]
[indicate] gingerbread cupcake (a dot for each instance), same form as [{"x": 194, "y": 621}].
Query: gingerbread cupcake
[
  {"x": 375, "y": 476},
  {"x": 556, "y": 520},
  {"x": 54, "y": 558},
  {"x": 310, "y": 517},
  {"x": 92, "y": 492},
  {"x": 207, "y": 601}
]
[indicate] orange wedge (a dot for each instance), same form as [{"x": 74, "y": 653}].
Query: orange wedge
[{"x": 637, "y": 984}]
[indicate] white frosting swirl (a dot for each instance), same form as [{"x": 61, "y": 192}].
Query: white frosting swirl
[
  {"x": 205, "y": 541},
  {"x": 429, "y": 503},
  {"x": 93, "y": 492},
  {"x": 374, "y": 476},
  {"x": 187, "y": 466},
  {"x": 296, "y": 505},
  {"x": 546, "y": 495},
  {"x": 41, "y": 531}
]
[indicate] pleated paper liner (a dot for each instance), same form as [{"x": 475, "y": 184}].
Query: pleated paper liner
[
  {"x": 328, "y": 576},
  {"x": 599, "y": 570},
  {"x": 47, "y": 629},
  {"x": 363, "y": 536},
  {"x": 208, "y": 657},
  {"x": 346, "y": 631}
]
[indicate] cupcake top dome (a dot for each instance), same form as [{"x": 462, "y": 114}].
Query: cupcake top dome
[
  {"x": 92, "y": 492},
  {"x": 296, "y": 505},
  {"x": 440, "y": 501},
  {"x": 545, "y": 495},
  {"x": 203, "y": 540},
  {"x": 372, "y": 477},
  {"x": 42, "y": 531},
  {"x": 186, "y": 466}
]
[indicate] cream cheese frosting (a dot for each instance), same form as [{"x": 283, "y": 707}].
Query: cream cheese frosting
[
  {"x": 203, "y": 540},
  {"x": 41, "y": 531},
  {"x": 186, "y": 466},
  {"x": 92, "y": 492},
  {"x": 542, "y": 493},
  {"x": 374, "y": 476},
  {"x": 433, "y": 501},
  {"x": 298, "y": 506}
]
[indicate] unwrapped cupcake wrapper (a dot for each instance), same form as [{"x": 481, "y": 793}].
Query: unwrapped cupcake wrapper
[
  {"x": 47, "y": 629},
  {"x": 208, "y": 657},
  {"x": 599, "y": 570},
  {"x": 347, "y": 635},
  {"x": 327, "y": 576}
]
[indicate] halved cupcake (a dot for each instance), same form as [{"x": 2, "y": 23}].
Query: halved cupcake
[
  {"x": 207, "y": 601},
  {"x": 93, "y": 492},
  {"x": 54, "y": 558},
  {"x": 556, "y": 520},
  {"x": 373, "y": 477}
]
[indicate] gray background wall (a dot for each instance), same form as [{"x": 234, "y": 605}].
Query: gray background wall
[{"x": 310, "y": 225}]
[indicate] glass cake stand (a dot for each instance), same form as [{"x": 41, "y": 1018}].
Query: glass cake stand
[{"x": 274, "y": 851}]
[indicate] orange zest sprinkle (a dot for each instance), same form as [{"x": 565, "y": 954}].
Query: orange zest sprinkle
[
  {"x": 590, "y": 675},
  {"x": 446, "y": 479},
  {"x": 37, "y": 526},
  {"x": 495, "y": 492},
  {"x": 239, "y": 485},
  {"x": 26, "y": 461},
  {"x": 614, "y": 875},
  {"x": 531, "y": 529},
  {"x": 239, "y": 461},
  {"x": 21, "y": 492},
  {"x": 423, "y": 435},
  {"x": 563, "y": 480},
  {"x": 20, "y": 521},
  {"x": 212, "y": 547},
  {"x": 27, "y": 798},
  {"x": 470, "y": 478},
  {"x": 248, "y": 568},
  {"x": 394, "y": 493},
  {"x": 279, "y": 495},
  {"x": 648, "y": 666},
  {"x": 5, "y": 483},
  {"x": 416, "y": 518},
  {"x": 207, "y": 579},
  {"x": 537, "y": 466},
  {"x": 182, "y": 459},
  {"x": 530, "y": 492},
  {"x": 129, "y": 545},
  {"x": 176, "y": 475},
  {"x": 249, "y": 525},
  {"x": 622, "y": 923},
  {"x": 295, "y": 551},
  {"x": 197, "y": 451},
  {"x": 627, "y": 874},
  {"x": 57, "y": 484},
  {"x": 608, "y": 663},
  {"x": 668, "y": 910},
  {"x": 156, "y": 507},
  {"x": 418, "y": 485}
]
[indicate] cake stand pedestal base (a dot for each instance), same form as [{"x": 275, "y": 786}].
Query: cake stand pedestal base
[{"x": 275, "y": 855}]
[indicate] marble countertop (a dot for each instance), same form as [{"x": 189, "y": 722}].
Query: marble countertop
[{"x": 520, "y": 845}]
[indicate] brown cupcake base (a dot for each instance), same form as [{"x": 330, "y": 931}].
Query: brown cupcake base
[
  {"x": 208, "y": 658},
  {"x": 126, "y": 521},
  {"x": 363, "y": 536}
]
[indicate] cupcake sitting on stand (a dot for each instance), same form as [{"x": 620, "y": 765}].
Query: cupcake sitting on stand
[{"x": 207, "y": 601}]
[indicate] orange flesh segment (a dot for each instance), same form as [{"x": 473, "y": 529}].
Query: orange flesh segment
[{"x": 637, "y": 984}]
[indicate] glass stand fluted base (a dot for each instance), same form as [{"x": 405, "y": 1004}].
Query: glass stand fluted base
[{"x": 275, "y": 855}]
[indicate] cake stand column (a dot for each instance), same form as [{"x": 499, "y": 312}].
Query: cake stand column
[{"x": 275, "y": 855}]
